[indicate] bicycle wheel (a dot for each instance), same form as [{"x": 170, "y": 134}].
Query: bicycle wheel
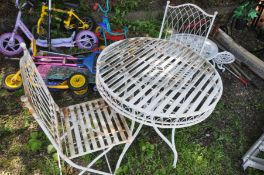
[
  {"x": 90, "y": 21},
  {"x": 8, "y": 47},
  {"x": 77, "y": 81},
  {"x": 98, "y": 33},
  {"x": 43, "y": 34},
  {"x": 86, "y": 40},
  {"x": 10, "y": 83},
  {"x": 80, "y": 93}
]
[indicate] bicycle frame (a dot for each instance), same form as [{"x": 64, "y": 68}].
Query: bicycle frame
[
  {"x": 105, "y": 28},
  {"x": 67, "y": 23},
  {"x": 20, "y": 25},
  {"x": 10, "y": 41}
]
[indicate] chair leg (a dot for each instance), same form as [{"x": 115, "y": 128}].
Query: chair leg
[
  {"x": 127, "y": 145},
  {"x": 108, "y": 164},
  {"x": 97, "y": 158},
  {"x": 171, "y": 143},
  {"x": 59, "y": 163}
]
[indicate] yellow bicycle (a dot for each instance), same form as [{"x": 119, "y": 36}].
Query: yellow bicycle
[{"x": 69, "y": 20}]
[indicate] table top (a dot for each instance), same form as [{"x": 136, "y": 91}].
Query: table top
[
  {"x": 157, "y": 82},
  {"x": 196, "y": 42}
]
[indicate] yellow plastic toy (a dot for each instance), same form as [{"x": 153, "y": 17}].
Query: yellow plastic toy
[
  {"x": 77, "y": 82},
  {"x": 12, "y": 81},
  {"x": 71, "y": 21}
]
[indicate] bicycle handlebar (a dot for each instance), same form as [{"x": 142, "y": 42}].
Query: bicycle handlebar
[
  {"x": 17, "y": 3},
  {"x": 28, "y": 2},
  {"x": 106, "y": 9}
]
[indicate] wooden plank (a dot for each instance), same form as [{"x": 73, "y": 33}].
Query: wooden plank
[
  {"x": 253, "y": 62},
  {"x": 125, "y": 125}
]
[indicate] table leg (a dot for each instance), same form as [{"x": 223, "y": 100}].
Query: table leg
[
  {"x": 134, "y": 135},
  {"x": 171, "y": 143}
]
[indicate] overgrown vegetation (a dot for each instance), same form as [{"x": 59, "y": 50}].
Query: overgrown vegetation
[{"x": 213, "y": 147}]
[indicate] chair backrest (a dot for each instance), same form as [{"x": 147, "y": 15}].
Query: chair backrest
[
  {"x": 185, "y": 20},
  {"x": 45, "y": 110}
]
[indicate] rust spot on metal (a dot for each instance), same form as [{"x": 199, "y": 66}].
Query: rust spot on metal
[
  {"x": 31, "y": 111},
  {"x": 66, "y": 112},
  {"x": 215, "y": 30}
]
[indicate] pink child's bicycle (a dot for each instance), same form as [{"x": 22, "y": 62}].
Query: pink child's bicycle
[{"x": 10, "y": 42}]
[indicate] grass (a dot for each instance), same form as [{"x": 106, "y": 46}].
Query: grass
[{"x": 213, "y": 147}]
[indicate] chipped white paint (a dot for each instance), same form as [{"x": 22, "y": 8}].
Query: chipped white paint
[
  {"x": 76, "y": 130},
  {"x": 158, "y": 83}
]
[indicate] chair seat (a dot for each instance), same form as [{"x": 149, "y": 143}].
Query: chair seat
[{"x": 90, "y": 127}]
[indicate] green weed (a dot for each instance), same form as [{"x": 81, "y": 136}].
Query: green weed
[{"x": 37, "y": 141}]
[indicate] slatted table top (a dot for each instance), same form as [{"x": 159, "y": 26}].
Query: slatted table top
[
  {"x": 157, "y": 82},
  {"x": 196, "y": 42}
]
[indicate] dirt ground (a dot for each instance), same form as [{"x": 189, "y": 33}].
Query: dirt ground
[
  {"x": 251, "y": 41},
  {"x": 233, "y": 127}
]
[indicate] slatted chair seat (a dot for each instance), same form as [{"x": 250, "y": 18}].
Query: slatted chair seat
[
  {"x": 92, "y": 126},
  {"x": 76, "y": 130}
]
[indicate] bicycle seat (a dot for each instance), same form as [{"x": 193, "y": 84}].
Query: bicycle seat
[
  {"x": 70, "y": 4},
  {"x": 90, "y": 61}
]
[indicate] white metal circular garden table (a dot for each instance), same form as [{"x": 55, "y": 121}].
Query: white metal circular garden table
[{"x": 158, "y": 83}]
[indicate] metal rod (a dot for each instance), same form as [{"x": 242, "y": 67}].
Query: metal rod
[
  {"x": 250, "y": 80},
  {"x": 242, "y": 72},
  {"x": 241, "y": 79},
  {"x": 49, "y": 27},
  {"x": 235, "y": 70}
]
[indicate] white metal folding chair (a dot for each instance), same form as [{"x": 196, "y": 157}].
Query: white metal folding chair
[
  {"x": 76, "y": 130},
  {"x": 187, "y": 24}
]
